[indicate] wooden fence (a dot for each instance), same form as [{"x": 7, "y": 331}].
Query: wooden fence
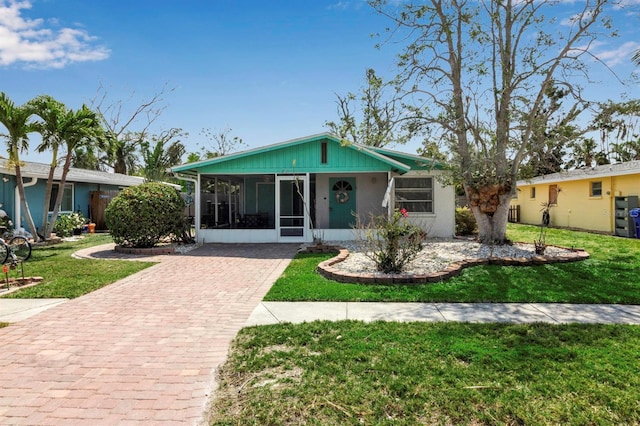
[{"x": 514, "y": 214}]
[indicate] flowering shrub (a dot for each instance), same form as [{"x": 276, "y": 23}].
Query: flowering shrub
[
  {"x": 66, "y": 223},
  {"x": 140, "y": 216},
  {"x": 392, "y": 241},
  {"x": 465, "y": 221}
]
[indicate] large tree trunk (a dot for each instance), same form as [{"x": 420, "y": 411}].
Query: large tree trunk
[
  {"x": 56, "y": 206},
  {"x": 490, "y": 206},
  {"x": 23, "y": 202},
  {"x": 47, "y": 196}
]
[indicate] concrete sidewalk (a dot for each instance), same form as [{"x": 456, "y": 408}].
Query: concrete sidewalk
[
  {"x": 14, "y": 310},
  {"x": 556, "y": 313}
]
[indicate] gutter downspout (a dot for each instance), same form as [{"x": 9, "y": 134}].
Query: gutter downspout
[
  {"x": 612, "y": 206},
  {"x": 17, "y": 205},
  {"x": 196, "y": 198}
]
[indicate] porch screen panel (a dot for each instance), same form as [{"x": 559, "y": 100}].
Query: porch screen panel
[{"x": 291, "y": 209}]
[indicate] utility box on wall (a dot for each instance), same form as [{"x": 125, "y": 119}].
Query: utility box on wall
[{"x": 624, "y": 223}]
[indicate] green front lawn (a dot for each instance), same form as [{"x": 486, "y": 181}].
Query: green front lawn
[
  {"x": 351, "y": 373},
  {"x": 67, "y": 277},
  {"x": 611, "y": 275}
]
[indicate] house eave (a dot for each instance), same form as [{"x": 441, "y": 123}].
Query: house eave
[{"x": 599, "y": 172}]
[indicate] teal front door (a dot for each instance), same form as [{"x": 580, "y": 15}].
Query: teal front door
[{"x": 342, "y": 202}]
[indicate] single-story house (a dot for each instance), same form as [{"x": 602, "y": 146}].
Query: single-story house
[
  {"x": 313, "y": 187},
  {"x": 85, "y": 191},
  {"x": 594, "y": 198}
]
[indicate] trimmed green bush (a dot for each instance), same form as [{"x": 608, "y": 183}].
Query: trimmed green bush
[
  {"x": 465, "y": 221},
  {"x": 140, "y": 216}
]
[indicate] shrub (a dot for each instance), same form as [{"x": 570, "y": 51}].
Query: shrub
[
  {"x": 140, "y": 216},
  {"x": 66, "y": 223},
  {"x": 392, "y": 241},
  {"x": 465, "y": 221}
]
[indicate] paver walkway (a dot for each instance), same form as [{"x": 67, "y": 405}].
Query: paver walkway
[{"x": 140, "y": 351}]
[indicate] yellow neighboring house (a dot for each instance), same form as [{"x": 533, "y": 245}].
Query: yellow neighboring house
[{"x": 594, "y": 198}]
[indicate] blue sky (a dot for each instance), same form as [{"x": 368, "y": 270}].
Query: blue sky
[{"x": 267, "y": 69}]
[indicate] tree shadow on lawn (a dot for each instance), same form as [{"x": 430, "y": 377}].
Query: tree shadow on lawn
[{"x": 589, "y": 281}]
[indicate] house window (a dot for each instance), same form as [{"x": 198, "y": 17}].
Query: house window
[
  {"x": 596, "y": 189},
  {"x": 414, "y": 194},
  {"x": 67, "y": 197},
  {"x": 532, "y": 193},
  {"x": 553, "y": 194}
]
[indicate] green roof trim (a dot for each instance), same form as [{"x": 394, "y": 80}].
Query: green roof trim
[
  {"x": 420, "y": 162},
  {"x": 303, "y": 155}
]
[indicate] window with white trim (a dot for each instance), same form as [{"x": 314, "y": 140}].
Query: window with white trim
[
  {"x": 414, "y": 194},
  {"x": 596, "y": 189},
  {"x": 67, "y": 197}
]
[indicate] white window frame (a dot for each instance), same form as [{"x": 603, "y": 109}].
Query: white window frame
[
  {"x": 429, "y": 194},
  {"x": 591, "y": 193},
  {"x": 73, "y": 201}
]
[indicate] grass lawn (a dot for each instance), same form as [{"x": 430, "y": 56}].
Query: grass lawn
[
  {"x": 351, "y": 373},
  {"x": 611, "y": 275},
  {"x": 65, "y": 276}
]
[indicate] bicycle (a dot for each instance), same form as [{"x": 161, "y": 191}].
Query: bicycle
[{"x": 17, "y": 250}]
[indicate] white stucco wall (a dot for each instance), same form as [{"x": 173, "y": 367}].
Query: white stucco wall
[
  {"x": 370, "y": 188},
  {"x": 442, "y": 222}
]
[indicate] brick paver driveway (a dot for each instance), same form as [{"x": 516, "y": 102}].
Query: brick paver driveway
[{"x": 141, "y": 351}]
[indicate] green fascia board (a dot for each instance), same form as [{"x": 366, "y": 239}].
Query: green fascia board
[
  {"x": 417, "y": 162},
  {"x": 299, "y": 156}
]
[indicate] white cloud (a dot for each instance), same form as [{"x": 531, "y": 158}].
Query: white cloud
[
  {"x": 618, "y": 55},
  {"x": 346, "y": 5},
  {"x": 26, "y": 41}
]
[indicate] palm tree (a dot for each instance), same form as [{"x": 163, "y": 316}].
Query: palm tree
[
  {"x": 157, "y": 159},
  {"x": 120, "y": 152},
  {"x": 77, "y": 129},
  {"x": 16, "y": 120},
  {"x": 51, "y": 112}
]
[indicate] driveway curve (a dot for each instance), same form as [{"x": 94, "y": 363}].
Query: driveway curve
[{"x": 143, "y": 350}]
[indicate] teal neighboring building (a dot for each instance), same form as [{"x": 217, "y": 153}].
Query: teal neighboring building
[
  {"x": 313, "y": 187},
  {"x": 85, "y": 191}
]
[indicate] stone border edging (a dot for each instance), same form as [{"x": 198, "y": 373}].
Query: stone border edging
[
  {"x": 151, "y": 251},
  {"x": 327, "y": 270},
  {"x": 16, "y": 284}
]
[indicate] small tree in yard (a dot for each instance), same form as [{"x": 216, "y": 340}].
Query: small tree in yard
[
  {"x": 391, "y": 242},
  {"x": 141, "y": 216}
]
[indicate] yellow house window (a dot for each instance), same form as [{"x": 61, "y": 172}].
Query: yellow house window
[
  {"x": 595, "y": 189},
  {"x": 532, "y": 192}
]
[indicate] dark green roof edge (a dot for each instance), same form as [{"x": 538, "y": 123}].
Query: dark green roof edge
[{"x": 428, "y": 162}]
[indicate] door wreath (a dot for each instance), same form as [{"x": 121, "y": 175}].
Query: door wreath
[{"x": 342, "y": 197}]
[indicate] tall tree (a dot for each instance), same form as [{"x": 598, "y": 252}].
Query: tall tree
[
  {"x": 16, "y": 119},
  {"x": 219, "y": 142},
  {"x": 551, "y": 134},
  {"x": 79, "y": 128},
  {"x": 120, "y": 152},
  {"x": 378, "y": 117},
  {"x": 482, "y": 69},
  {"x": 120, "y": 142},
  {"x": 51, "y": 113},
  {"x": 161, "y": 153},
  {"x": 618, "y": 124}
]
